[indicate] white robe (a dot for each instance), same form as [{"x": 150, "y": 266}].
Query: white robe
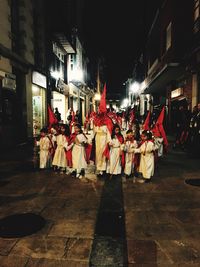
[
  {"x": 78, "y": 153},
  {"x": 102, "y": 138},
  {"x": 159, "y": 145},
  {"x": 123, "y": 124},
  {"x": 60, "y": 155},
  {"x": 114, "y": 163},
  {"x": 45, "y": 145},
  {"x": 129, "y": 147},
  {"x": 146, "y": 166}
]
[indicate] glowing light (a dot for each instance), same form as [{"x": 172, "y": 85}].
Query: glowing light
[
  {"x": 134, "y": 88},
  {"x": 97, "y": 97},
  {"x": 125, "y": 103},
  {"x": 77, "y": 75},
  {"x": 56, "y": 75},
  {"x": 35, "y": 90}
]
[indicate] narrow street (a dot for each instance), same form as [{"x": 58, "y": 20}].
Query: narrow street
[{"x": 111, "y": 223}]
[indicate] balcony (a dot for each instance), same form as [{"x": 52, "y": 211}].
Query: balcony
[
  {"x": 153, "y": 67},
  {"x": 65, "y": 43},
  {"x": 168, "y": 73}
]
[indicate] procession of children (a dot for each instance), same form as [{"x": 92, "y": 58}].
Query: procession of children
[{"x": 115, "y": 146}]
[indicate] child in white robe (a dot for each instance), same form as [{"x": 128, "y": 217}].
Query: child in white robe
[
  {"x": 146, "y": 150},
  {"x": 158, "y": 140},
  {"x": 114, "y": 165},
  {"x": 78, "y": 152},
  {"x": 52, "y": 136},
  {"x": 128, "y": 147},
  {"x": 60, "y": 160},
  {"x": 45, "y": 145}
]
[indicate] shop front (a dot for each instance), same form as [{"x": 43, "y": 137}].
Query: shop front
[
  {"x": 60, "y": 101},
  {"x": 39, "y": 105},
  {"x": 8, "y": 115}
]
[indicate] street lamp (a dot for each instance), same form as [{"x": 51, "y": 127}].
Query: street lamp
[
  {"x": 134, "y": 88},
  {"x": 56, "y": 74},
  {"x": 97, "y": 97},
  {"x": 125, "y": 103}
]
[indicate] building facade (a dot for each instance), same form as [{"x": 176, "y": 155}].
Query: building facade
[
  {"x": 171, "y": 58},
  {"x": 18, "y": 50}
]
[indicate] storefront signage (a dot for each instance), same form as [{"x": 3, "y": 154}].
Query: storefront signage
[
  {"x": 9, "y": 83},
  {"x": 82, "y": 95},
  {"x": 10, "y": 76},
  {"x": 72, "y": 92},
  {"x": 177, "y": 92},
  {"x": 7, "y": 75},
  {"x": 9, "y": 80},
  {"x": 39, "y": 79}
]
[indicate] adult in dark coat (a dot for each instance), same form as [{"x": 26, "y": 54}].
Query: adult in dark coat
[{"x": 194, "y": 133}]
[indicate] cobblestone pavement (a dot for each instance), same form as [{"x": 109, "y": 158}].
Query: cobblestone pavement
[{"x": 154, "y": 224}]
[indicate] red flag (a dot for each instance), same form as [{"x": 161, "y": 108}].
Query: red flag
[
  {"x": 86, "y": 121},
  {"x": 132, "y": 116},
  {"x": 161, "y": 116},
  {"x": 163, "y": 135},
  {"x": 155, "y": 130},
  {"x": 146, "y": 123},
  {"x": 102, "y": 104},
  {"x": 159, "y": 124},
  {"x": 73, "y": 116},
  {"x": 52, "y": 117}
]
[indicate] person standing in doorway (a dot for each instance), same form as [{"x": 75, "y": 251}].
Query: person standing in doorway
[{"x": 57, "y": 114}]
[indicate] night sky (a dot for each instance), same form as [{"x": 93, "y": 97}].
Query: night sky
[
  {"x": 117, "y": 30},
  {"x": 113, "y": 29}
]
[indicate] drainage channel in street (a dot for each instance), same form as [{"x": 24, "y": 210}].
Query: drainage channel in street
[
  {"x": 109, "y": 246},
  {"x": 3, "y": 183},
  {"x": 193, "y": 182},
  {"x": 21, "y": 225}
]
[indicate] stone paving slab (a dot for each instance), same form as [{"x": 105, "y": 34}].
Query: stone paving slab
[
  {"x": 13, "y": 261},
  {"x": 142, "y": 265},
  {"x": 142, "y": 251},
  {"x": 181, "y": 251},
  {"x": 55, "y": 263},
  {"x": 53, "y": 248},
  {"x": 67, "y": 228},
  {"x": 6, "y": 246}
]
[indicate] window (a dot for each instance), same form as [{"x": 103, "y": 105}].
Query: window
[
  {"x": 168, "y": 36},
  {"x": 54, "y": 48},
  {"x": 196, "y": 9}
]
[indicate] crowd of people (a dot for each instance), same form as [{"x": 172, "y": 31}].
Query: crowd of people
[
  {"x": 187, "y": 127},
  {"x": 115, "y": 143}
]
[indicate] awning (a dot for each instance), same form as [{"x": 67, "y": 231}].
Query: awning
[{"x": 168, "y": 73}]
